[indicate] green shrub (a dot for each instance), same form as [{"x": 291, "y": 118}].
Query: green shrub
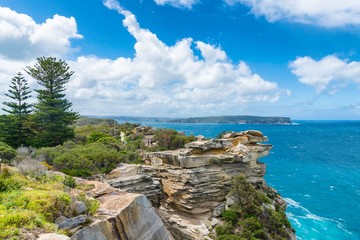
[
  {"x": 96, "y": 136},
  {"x": 69, "y": 182},
  {"x": 10, "y": 182},
  {"x": 48, "y": 154},
  {"x": 49, "y": 204},
  {"x": 252, "y": 224},
  {"x": 230, "y": 237},
  {"x": 87, "y": 160},
  {"x": 230, "y": 216},
  {"x": 169, "y": 139},
  {"x": 224, "y": 229},
  {"x": 7, "y": 153}
]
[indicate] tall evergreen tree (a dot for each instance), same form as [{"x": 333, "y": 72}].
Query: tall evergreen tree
[
  {"x": 14, "y": 128},
  {"x": 53, "y": 114},
  {"x": 19, "y": 92}
]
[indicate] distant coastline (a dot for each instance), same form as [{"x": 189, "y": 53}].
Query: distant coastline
[{"x": 239, "y": 119}]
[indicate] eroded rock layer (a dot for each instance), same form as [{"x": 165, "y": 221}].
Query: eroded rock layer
[{"x": 188, "y": 184}]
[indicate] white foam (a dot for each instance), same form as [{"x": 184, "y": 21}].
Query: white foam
[{"x": 308, "y": 215}]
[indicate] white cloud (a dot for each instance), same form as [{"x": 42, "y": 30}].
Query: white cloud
[
  {"x": 21, "y": 37},
  {"x": 161, "y": 79},
  {"x": 327, "y": 13},
  {"x": 178, "y": 3},
  {"x": 327, "y": 74}
]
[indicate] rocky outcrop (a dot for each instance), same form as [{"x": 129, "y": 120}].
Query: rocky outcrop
[
  {"x": 190, "y": 185},
  {"x": 121, "y": 215}
]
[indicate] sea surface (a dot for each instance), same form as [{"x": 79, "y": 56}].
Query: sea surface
[{"x": 315, "y": 166}]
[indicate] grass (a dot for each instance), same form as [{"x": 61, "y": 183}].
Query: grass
[{"x": 33, "y": 204}]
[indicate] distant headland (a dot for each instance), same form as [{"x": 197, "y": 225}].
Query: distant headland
[{"x": 239, "y": 119}]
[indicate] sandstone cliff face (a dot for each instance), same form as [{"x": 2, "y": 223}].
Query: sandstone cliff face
[
  {"x": 189, "y": 186},
  {"x": 123, "y": 216}
]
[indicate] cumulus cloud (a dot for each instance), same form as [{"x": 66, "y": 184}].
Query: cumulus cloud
[
  {"x": 186, "y": 78},
  {"x": 328, "y": 74},
  {"x": 166, "y": 80},
  {"x": 178, "y": 3},
  {"x": 21, "y": 37},
  {"x": 327, "y": 13}
]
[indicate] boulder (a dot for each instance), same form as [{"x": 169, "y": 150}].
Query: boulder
[
  {"x": 79, "y": 207},
  {"x": 219, "y": 210},
  {"x": 68, "y": 223},
  {"x": 122, "y": 215}
]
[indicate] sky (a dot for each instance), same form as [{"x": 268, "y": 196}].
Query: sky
[{"x": 192, "y": 58}]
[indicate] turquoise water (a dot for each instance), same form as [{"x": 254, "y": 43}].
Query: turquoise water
[{"x": 315, "y": 166}]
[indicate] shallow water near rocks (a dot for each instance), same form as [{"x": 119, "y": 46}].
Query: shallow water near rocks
[{"x": 315, "y": 166}]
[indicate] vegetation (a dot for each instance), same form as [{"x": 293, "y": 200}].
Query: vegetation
[
  {"x": 7, "y": 153},
  {"x": 18, "y": 92},
  {"x": 16, "y": 125},
  {"x": 51, "y": 122},
  {"x": 53, "y": 116},
  {"x": 30, "y": 204},
  {"x": 169, "y": 139},
  {"x": 251, "y": 217},
  {"x": 96, "y": 149}
]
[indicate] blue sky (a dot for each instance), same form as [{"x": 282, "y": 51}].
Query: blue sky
[{"x": 183, "y": 58}]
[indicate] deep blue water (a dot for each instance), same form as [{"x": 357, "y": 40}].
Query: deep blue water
[{"x": 315, "y": 166}]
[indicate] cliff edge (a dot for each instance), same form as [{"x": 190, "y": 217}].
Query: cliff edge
[{"x": 192, "y": 187}]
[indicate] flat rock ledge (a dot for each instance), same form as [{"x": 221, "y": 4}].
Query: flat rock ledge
[{"x": 189, "y": 186}]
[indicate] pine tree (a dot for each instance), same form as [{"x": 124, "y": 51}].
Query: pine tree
[
  {"x": 14, "y": 127},
  {"x": 19, "y": 92},
  {"x": 53, "y": 114}
]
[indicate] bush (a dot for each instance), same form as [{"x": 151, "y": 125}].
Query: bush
[
  {"x": 7, "y": 153},
  {"x": 10, "y": 183},
  {"x": 69, "y": 182},
  {"x": 96, "y": 136},
  {"x": 230, "y": 237},
  {"x": 87, "y": 160},
  {"x": 224, "y": 229},
  {"x": 230, "y": 216},
  {"x": 31, "y": 167},
  {"x": 48, "y": 154},
  {"x": 169, "y": 139},
  {"x": 50, "y": 205}
]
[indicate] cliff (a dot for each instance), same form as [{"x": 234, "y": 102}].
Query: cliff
[{"x": 192, "y": 187}]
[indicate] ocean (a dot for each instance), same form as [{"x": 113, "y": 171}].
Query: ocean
[{"x": 315, "y": 166}]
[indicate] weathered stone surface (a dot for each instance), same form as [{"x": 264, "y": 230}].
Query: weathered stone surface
[
  {"x": 53, "y": 236},
  {"x": 130, "y": 178},
  {"x": 79, "y": 207},
  {"x": 219, "y": 210},
  {"x": 195, "y": 180},
  {"x": 214, "y": 222},
  {"x": 68, "y": 223},
  {"x": 122, "y": 215}
]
